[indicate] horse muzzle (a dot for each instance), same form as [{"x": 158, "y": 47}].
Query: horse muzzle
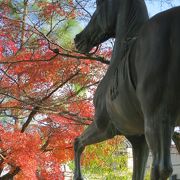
[{"x": 81, "y": 44}]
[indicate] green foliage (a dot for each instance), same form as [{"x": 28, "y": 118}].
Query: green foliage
[
  {"x": 147, "y": 176},
  {"x": 106, "y": 160},
  {"x": 78, "y": 89},
  {"x": 67, "y": 33}
]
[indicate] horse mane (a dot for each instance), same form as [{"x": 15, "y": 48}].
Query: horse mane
[{"x": 132, "y": 16}]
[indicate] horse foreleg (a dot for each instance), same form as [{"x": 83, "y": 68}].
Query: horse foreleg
[
  {"x": 159, "y": 130},
  {"x": 91, "y": 135},
  {"x": 140, "y": 154}
]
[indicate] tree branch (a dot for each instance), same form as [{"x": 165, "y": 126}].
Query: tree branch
[
  {"x": 30, "y": 117},
  {"x": 36, "y": 109}
]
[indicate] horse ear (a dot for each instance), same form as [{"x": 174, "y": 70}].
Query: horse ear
[{"x": 98, "y": 2}]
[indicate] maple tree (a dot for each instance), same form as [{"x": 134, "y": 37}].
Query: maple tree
[
  {"x": 110, "y": 160},
  {"x": 46, "y": 87}
]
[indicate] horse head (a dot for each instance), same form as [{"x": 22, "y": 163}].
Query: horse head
[{"x": 100, "y": 28}]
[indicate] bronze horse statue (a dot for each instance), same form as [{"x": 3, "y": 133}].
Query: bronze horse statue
[{"x": 139, "y": 97}]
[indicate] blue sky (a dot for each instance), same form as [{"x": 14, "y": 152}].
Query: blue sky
[{"x": 155, "y": 6}]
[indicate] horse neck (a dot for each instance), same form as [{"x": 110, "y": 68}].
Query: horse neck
[
  {"x": 137, "y": 16},
  {"x": 132, "y": 15}
]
